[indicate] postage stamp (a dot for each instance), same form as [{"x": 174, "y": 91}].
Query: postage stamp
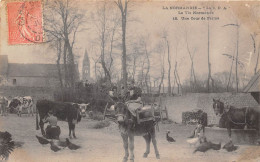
[{"x": 25, "y": 22}]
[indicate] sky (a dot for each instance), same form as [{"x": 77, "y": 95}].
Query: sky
[{"x": 151, "y": 18}]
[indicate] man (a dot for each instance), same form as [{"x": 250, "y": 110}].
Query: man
[
  {"x": 134, "y": 102},
  {"x": 113, "y": 93},
  {"x": 52, "y": 130},
  {"x": 134, "y": 93}
]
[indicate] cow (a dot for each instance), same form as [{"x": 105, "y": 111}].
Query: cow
[
  {"x": 20, "y": 103},
  {"x": 83, "y": 109},
  {"x": 62, "y": 110}
]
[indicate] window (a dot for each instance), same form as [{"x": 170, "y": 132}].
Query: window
[{"x": 14, "y": 81}]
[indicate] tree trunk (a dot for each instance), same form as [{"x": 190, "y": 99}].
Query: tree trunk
[
  {"x": 230, "y": 73},
  {"x": 256, "y": 65},
  {"x": 65, "y": 65},
  {"x": 169, "y": 69},
  {"x": 58, "y": 62},
  {"x": 103, "y": 63},
  {"x": 148, "y": 69},
  {"x": 161, "y": 82},
  {"x": 96, "y": 71},
  {"x": 237, "y": 60},
  {"x": 142, "y": 74},
  {"x": 209, "y": 70},
  {"x": 124, "y": 65},
  {"x": 134, "y": 68},
  {"x": 72, "y": 69}
]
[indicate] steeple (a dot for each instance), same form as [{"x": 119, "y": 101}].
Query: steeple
[{"x": 86, "y": 67}]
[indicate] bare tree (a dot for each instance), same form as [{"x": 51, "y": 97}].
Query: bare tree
[
  {"x": 63, "y": 20},
  {"x": 96, "y": 60},
  {"x": 192, "y": 73},
  {"x": 209, "y": 64},
  {"x": 106, "y": 23},
  {"x": 160, "y": 50},
  {"x": 239, "y": 62},
  {"x": 165, "y": 37},
  {"x": 135, "y": 54},
  {"x": 123, "y": 6},
  {"x": 176, "y": 75},
  {"x": 58, "y": 61},
  {"x": 237, "y": 47},
  {"x": 162, "y": 75},
  {"x": 147, "y": 53},
  {"x": 230, "y": 73}
]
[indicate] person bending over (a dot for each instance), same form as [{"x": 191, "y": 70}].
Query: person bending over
[{"x": 52, "y": 130}]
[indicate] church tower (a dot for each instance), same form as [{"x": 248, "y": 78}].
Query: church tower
[{"x": 86, "y": 67}]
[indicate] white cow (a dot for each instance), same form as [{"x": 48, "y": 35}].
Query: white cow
[
  {"x": 27, "y": 103},
  {"x": 83, "y": 109},
  {"x": 21, "y": 103}
]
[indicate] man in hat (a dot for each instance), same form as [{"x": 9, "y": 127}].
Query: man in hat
[
  {"x": 52, "y": 130},
  {"x": 133, "y": 92}
]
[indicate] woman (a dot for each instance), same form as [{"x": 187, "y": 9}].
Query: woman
[{"x": 52, "y": 130}]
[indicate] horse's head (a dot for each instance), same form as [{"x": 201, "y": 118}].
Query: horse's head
[
  {"x": 121, "y": 112},
  {"x": 218, "y": 106}
]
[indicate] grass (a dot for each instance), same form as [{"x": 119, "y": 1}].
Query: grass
[
  {"x": 101, "y": 124},
  {"x": 168, "y": 121},
  {"x": 96, "y": 116}
]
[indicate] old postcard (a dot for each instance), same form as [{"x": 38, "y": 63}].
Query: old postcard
[{"x": 122, "y": 80}]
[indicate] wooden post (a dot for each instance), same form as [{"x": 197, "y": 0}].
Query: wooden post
[
  {"x": 160, "y": 108},
  {"x": 166, "y": 112},
  {"x": 105, "y": 111}
]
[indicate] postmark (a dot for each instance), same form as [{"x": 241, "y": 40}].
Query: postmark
[{"x": 25, "y": 22}]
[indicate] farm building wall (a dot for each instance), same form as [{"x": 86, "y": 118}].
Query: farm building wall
[
  {"x": 35, "y": 92},
  {"x": 33, "y": 81}
]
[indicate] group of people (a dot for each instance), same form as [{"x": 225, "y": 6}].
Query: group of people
[{"x": 132, "y": 93}]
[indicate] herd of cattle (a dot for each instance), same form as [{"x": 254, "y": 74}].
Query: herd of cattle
[
  {"x": 66, "y": 111},
  {"x": 26, "y": 105}
]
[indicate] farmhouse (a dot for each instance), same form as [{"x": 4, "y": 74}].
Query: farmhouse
[{"x": 28, "y": 75}]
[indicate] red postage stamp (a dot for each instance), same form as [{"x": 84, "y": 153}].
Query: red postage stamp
[{"x": 25, "y": 22}]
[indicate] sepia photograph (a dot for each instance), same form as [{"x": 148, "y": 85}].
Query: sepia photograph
[{"x": 129, "y": 80}]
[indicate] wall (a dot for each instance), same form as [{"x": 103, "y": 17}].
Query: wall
[
  {"x": 35, "y": 92},
  {"x": 33, "y": 81},
  {"x": 194, "y": 101}
]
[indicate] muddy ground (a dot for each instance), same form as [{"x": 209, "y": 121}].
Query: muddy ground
[{"x": 105, "y": 144}]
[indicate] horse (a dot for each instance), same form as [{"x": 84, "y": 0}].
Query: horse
[
  {"x": 246, "y": 117},
  {"x": 129, "y": 128}
]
